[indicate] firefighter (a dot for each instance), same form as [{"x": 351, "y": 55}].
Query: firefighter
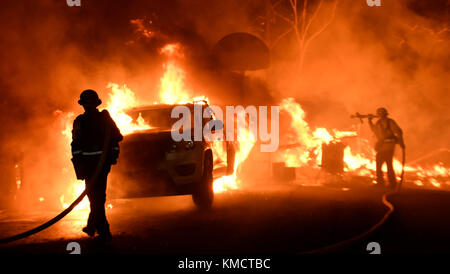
[
  {"x": 388, "y": 134},
  {"x": 88, "y": 138}
]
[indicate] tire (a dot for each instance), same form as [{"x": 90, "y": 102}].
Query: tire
[{"x": 203, "y": 195}]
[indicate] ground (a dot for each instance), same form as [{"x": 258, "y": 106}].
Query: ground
[{"x": 274, "y": 218}]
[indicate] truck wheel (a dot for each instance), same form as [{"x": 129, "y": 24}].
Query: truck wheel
[{"x": 203, "y": 195}]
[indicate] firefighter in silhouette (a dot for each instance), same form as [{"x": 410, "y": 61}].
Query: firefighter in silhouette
[
  {"x": 88, "y": 139},
  {"x": 388, "y": 134}
]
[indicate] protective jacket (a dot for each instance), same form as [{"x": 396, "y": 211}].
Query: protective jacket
[
  {"x": 387, "y": 131},
  {"x": 88, "y": 136}
]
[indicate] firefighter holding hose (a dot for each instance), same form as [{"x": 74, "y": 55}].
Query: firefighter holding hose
[
  {"x": 388, "y": 134},
  {"x": 94, "y": 134}
]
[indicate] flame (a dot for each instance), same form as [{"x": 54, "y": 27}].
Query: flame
[
  {"x": 435, "y": 183},
  {"x": 323, "y": 135},
  {"x": 358, "y": 161},
  {"x": 172, "y": 90},
  {"x": 309, "y": 150},
  {"x": 77, "y": 188},
  {"x": 172, "y": 50},
  {"x": 243, "y": 145},
  {"x": 172, "y": 87},
  {"x": 172, "y": 83},
  {"x": 121, "y": 99},
  {"x": 305, "y": 143}
]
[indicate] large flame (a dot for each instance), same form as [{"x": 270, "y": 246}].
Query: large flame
[
  {"x": 172, "y": 90},
  {"x": 121, "y": 99},
  {"x": 308, "y": 149},
  {"x": 305, "y": 144},
  {"x": 243, "y": 146}
]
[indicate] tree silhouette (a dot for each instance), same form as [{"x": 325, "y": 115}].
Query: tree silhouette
[{"x": 297, "y": 18}]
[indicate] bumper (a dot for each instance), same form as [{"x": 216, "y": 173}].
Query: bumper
[{"x": 172, "y": 173}]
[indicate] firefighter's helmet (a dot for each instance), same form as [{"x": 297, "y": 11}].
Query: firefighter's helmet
[
  {"x": 89, "y": 97},
  {"x": 382, "y": 112}
]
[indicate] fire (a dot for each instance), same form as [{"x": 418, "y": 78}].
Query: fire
[
  {"x": 77, "y": 187},
  {"x": 358, "y": 161},
  {"x": 172, "y": 83},
  {"x": 172, "y": 90},
  {"x": 305, "y": 144},
  {"x": 121, "y": 99},
  {"x": 243, "y": 146},
  {"x": 307, "y": 150},
  {"x": 171, "y": 50},
  {"x": 323, "y": 134}
]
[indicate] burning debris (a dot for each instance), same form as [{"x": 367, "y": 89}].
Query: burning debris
[{"x": 305, "y": 148}]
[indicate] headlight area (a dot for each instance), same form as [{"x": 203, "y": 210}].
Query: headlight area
[
  {"x": 189, "y": 145},
  {"x": 184, "y": 158},
  {"x": 180, "y": 146}
]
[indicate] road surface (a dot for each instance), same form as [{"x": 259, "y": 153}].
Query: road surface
[{"x": 274, "y": 219}]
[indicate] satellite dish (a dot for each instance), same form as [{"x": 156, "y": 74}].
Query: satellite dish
[{"x": 241, "y": 51}]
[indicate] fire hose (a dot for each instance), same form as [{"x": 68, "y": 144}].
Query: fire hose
[
  {"x": 100, "y": 165},
  {"x": 381, "y": 222}
]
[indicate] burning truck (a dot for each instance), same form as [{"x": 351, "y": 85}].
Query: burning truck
[{"x": 153, "y": 164}]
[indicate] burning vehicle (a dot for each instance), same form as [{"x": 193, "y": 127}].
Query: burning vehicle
[{"x": 153, "y": 164}]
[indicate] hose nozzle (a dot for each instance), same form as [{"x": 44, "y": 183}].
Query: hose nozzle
[{"x": 362, "y": 116}]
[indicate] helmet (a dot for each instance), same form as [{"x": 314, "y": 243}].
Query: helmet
[
  {"x": 382, "y": 112},
  {"x": 89, "y": 97}
]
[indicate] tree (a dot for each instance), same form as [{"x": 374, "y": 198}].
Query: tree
[{"x": 297, "y": 19}]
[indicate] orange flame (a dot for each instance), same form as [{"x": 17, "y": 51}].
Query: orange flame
[
  {"x": 172, "y": 90},
  {"x": 243, "y": 146},
  {"x": 310, "y": 149},
  {"x": 121, "y": 99}
]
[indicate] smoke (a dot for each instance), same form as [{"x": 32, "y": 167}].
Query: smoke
[
  {"x": 51, "y": 52},
  {"x": 394, "y": 56}
]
